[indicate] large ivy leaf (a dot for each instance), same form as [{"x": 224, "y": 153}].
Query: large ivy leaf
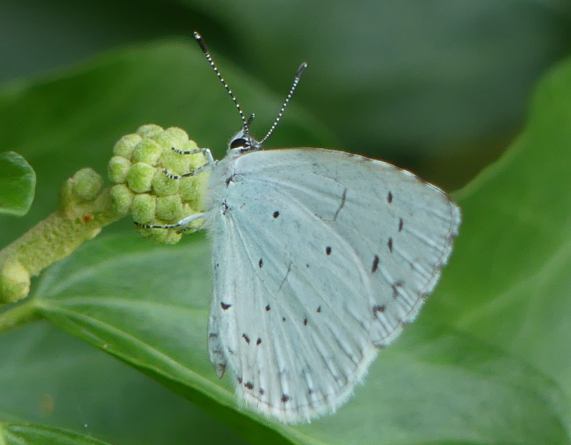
[
  {"x": 29, "y": 434},
  {"x": 17, "y": 184},
  {"x": 48, "y": 377}
]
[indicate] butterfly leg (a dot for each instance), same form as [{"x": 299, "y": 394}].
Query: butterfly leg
[
  {"x": 205, "y": 151},
  {"x": 207, "y": 166},
  {"x": 182, "y": 225}
]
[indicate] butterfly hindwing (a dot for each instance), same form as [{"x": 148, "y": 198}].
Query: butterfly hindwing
[{"x": 322, "y": 257}]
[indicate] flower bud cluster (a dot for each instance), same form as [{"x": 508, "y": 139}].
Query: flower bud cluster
[{"x": 142, "y": 187}]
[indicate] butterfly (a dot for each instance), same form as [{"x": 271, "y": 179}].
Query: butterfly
[{"x": 320, "y": 258}]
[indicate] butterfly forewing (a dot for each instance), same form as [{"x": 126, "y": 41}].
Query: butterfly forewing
[{"x": 320, "y": 257}]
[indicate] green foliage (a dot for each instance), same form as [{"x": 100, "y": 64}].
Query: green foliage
[
  {"x": 487, "y": 361},
  {"x": 28, "y": 434},
  {"x": 509, "y": 284},
  {"x": 17, "y": 183},
  {"x": 49, "y": 377}
]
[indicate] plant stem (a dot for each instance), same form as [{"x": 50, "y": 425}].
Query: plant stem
[{"x": 84, "y": 210}]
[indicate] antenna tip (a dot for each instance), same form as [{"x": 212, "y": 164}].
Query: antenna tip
[
  {"x": 301, "y": 69},
  {"x": 200, "y": 41}
]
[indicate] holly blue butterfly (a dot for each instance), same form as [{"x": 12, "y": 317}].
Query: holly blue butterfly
[{"x": 320, "y": 257}]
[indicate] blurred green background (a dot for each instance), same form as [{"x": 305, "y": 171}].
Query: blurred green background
[
  {"x": 425, "y": 83},
  {"x": 438, "y": 86}
]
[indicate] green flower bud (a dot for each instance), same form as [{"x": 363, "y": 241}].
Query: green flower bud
[
  {"x": 147, "y": 192},
  {"x": 172, "y": 137},
  {"x": 125, "y": 146},
  {"x": 169, "y": 208},
  {"x": 143, "y": 209},
  {"x": 86, "y": 184},
  {"x": 15, "y": 281},
  {"x": 121, "y": 199},
  {"x": 170, "y": 237},
  {"x": 191, "y": 190},
  {"x": 174, "y": 162},
  {"x": 187, "y": 188},
  {"x": 117, "y": 169},
  {"x": 140, "y": 177},
  {"x": 147, "y": 151},
  {"x": 163, "y": 185},
  {"x": 149, "y": 130},
  {"x": 161, "y": 236}
]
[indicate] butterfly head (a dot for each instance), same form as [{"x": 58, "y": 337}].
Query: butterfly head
[{"x": 242, "y": 141}]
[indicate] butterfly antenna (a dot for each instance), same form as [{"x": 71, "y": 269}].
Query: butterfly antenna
[
  {"x": 204, "y": 48},
  {"x": 296, "y": 80}
]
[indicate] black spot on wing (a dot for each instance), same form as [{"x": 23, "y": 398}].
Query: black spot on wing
[
  {"x": 375, "y": 265},
  {"x": 276, "y": 214},
  {"x": 285, "y": 398},
  {"x": 395, "y": 286},
  {"x": 328, "y": 250},
  {"x": 261, "y": 263},
  {"x": 268, "y": 307},
  {"x": 390, "y": 244},
  {"x": 246, "y": 338},
  {"x": 401, "y": 224},
  {"x": 389, "y": 197},
  {"x": 225, "y": 306}
]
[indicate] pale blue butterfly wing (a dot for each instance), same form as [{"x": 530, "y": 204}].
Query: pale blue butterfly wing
[{"x": 319, "y": 257}]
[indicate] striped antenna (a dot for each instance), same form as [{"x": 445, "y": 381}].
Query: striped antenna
[
  {"x": 204, "y": 48},
  {"x": 296, "y": 80}
]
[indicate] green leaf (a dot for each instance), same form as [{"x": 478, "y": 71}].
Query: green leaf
[
  {"x": 157, "y": 322},
  {"x": 48, "y": 377},
  {"x": 17, "y": 184},
  {"x": 509, "y": 284},
  {"x": 29, "y": 434}
]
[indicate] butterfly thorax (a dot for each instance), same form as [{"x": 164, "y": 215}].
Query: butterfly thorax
[{"x": 222, "y": 177}]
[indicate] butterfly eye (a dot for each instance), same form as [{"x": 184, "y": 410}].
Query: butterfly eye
[{"x": 239, "y": 142}]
